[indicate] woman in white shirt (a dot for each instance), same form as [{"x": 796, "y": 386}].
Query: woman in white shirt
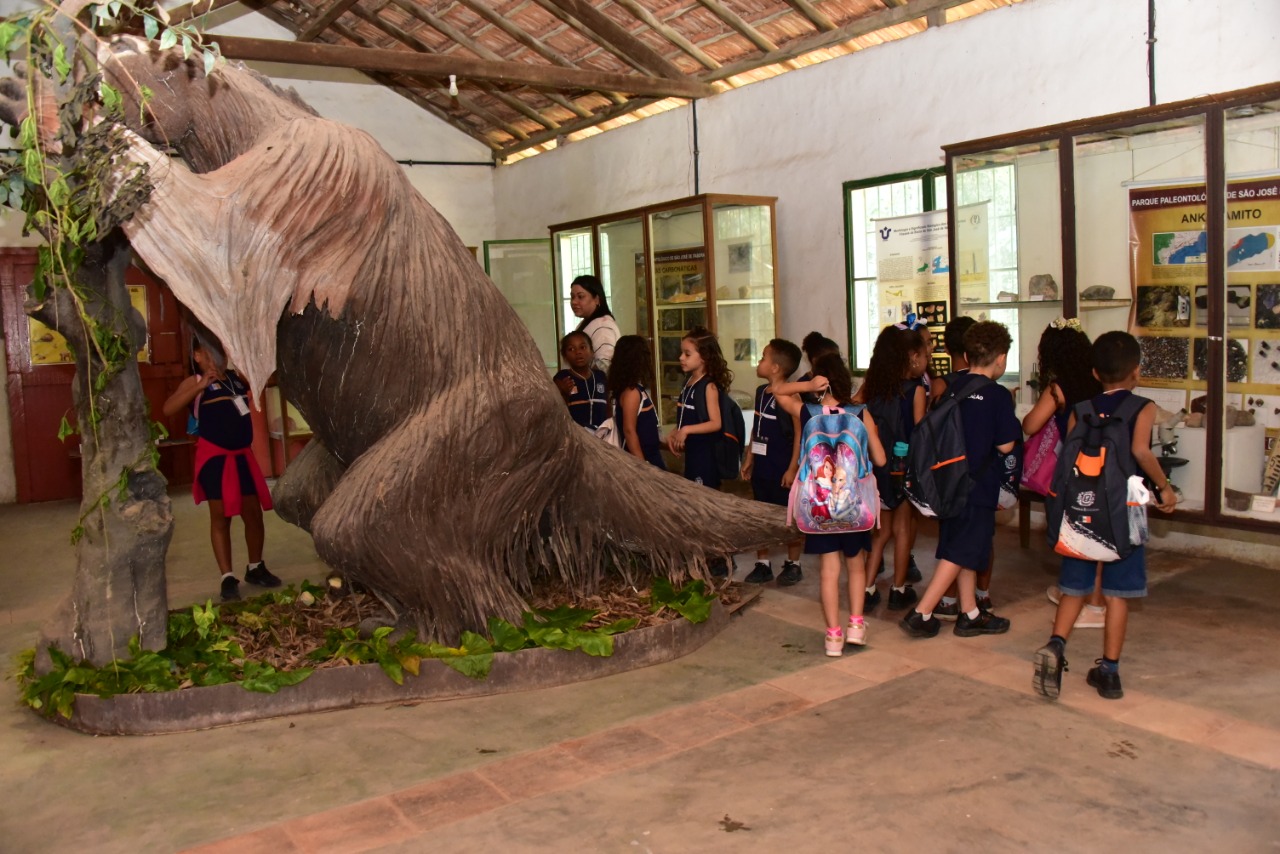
[{"x": 587, "y": 299}]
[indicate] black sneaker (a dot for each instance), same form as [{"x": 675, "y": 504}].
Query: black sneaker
[
  {"x": 1107, "y": 683},
  {"x": 947, "y": 611},
  {"x": 1047, "y": 677},
  {"x": 984, "y": 624},
  {"x": 872, "y": 602},
  {"x": 260, "y": 576},
  {"x": 762, "y": 574},
  {"x": 917, "y": 626},
  {"x": 905, "y": 599},
  {"x": 230, "y": 589},
  {"x": 913, "y": 572},
  {"x": 984, "y": 604},
  {"x": 719, "y": 567},
  {"x": 791, "y": 574}
]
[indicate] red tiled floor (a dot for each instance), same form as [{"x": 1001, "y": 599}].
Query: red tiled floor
[
  {"x": 271, "y": 840},
  {"x": 689, "y": 726},
  {"x": 546, "y": 770},
  {"x": 358, "y": 827},
  {"x": 761, "y": 703},
  {"x": 447, "y": 800},
  {"x": 821, "y": 684},
  {"x": 617, "y": 748},
  {"x": 877, "y": 665}
]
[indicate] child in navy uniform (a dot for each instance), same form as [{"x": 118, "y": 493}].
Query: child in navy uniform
[
  {"x": 1117, "y": 364},
  {"x": 630, "y": 372},
  {"x": 773, "y": 458},
  {"x": 708, "y": 378},
  {"x": 832, "y": 381},
  {"x": 583, "y": 387},
  {"x": 964, "y": 541},
  {"x": 226, "y": 472}
]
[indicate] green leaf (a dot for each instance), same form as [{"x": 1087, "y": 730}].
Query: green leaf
[
  {"x": 564, "y": 617},
  {"x": 618, "y": 627},
  {"x": 506, "y": 637},
  {"x": 151, "y": 27},
  {"x": 60, "y": 64},
  {"x": 32, "y": 165},
  {"x": 8, "y": 32},
  {"x": 594, "y": 644},
  {"x": 27, "y": 132},
  {"x": 168, "y": 39},
  {"x": 111, "y": 99},
  {"x": 392, "y": 668},
  {"x": 210, "y": 60},
  {"x": 65, "y": 429},
  {"x": 186, "y": 46},
  {"x": 59, "y": 192}
]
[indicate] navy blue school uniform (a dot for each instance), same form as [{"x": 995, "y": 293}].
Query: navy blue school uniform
[
  {"x": 588, "y": 403},
  {"x": 1127, "y": 577},
  {"x": 647, "y": 429},
  {"x": 772, "y": 442},
  {"x": 989, "y": 420},
  {"x": 699, "y": 457},
  {"x": 882, "y": 411},
  {"x": 848, "y": 542},
  {"x": 222, "y": 423}
]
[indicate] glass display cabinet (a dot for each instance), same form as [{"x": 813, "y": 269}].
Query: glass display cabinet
[
  {"x": 522, "y": 271},
  {"x": 701, "y": 261},
  {"x": 1164, "y": 222}
]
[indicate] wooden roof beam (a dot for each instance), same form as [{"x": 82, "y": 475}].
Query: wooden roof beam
[
  {"x": 669, "y": 33},
  {"x": 571, "y": 127},
  {"x": 813, "y": 14},
  {"x": 325, "y": 18},
  {"x": 435, "y": 66},
  {"x": 182, "y": 14},
  {"x": 613, "y": 36},
  {"x": 734, "y": 20},
  {"x": 909, "y": 11}
]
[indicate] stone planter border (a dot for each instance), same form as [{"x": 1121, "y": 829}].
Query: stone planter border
[{"x": 365, "y": 684}]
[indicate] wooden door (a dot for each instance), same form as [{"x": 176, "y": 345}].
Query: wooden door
[{"x": 40, "y": 392}]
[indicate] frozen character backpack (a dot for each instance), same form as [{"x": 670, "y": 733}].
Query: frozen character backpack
[{"x": 834, "y": 491}]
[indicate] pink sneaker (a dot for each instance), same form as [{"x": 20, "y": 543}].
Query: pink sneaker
[
  {"x": 856, "y": 634},
  {"x": 834, "y": 644}
]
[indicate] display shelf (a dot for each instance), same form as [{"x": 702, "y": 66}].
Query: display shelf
[
  {"x": 1096, "y": 304},
  {"x": 1010, "y": 304}
]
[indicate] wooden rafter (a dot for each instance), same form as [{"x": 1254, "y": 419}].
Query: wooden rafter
[
  {"x": 669, "y": 33},
  {"x": 860, "y": 27},
  {"x": 599, "y": 118},
  {"x": 734, "y": 20},
  {"x": 182, "y": 14},
  {"x": 435, "y": 66},
  {"x": 321, "y": 23},
  {"x": 814, "y": 15},
  {"x": 616, "y": 38}
]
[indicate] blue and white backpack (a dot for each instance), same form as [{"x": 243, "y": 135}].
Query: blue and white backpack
[{"x": 834, "y": 491}]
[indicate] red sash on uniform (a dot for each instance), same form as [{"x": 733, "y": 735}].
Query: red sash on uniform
[{"x": 205, "y": 451}]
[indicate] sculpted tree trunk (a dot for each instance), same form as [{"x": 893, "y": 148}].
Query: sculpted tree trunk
[
  {"x": 445, "y": 473},
  {"x": 125, "y": 524}
]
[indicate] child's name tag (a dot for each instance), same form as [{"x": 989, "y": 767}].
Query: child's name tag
[
  {"x": 759, "y": 448},
  {"x": 242, "y": 406}
]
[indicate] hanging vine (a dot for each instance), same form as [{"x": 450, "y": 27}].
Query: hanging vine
[{"x": 72, "y": 179}]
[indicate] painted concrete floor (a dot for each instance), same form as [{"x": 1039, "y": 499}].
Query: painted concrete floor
[{"x": 757, "y": 742}]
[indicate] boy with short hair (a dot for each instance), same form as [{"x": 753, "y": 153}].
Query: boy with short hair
[
  {"x": 964, "y": 541},
  {"x": 583, "y": 387},
  {"x": 1117, "y": 361},
  {"x": 774, "y": 455}
]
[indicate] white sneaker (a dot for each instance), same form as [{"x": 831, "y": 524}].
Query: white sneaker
[
  {"x": 834, "y": 645},
  {"x": 856, "y": 633},
  {"x": 1092, "y": 617},
  {"x": 1054, "y": 594}
]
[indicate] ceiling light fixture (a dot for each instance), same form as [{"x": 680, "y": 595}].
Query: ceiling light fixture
[{"x": 453, "y": 85}]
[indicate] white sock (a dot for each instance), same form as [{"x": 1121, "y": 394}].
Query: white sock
[
  {"x": 972, "y": 615},
  {"x": 948, "y": 600},
  {"x": 981, "y": 594},
  {"x": 902, "y": 589},
  {"x": 227, "y": 575},
  {"x": 871, "y": 590},
  {"x": 254, "y": 565},
  {"x": 928, "y": 616}
]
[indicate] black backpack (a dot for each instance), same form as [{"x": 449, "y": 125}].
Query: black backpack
[
  {"x": 887, "y": 415},
  {"x": 732, "y": 437},
  {"x": 938, "y": 479},
  {"x": 1088, "y": 510}
]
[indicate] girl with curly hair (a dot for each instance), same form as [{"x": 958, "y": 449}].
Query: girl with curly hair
[{"x": 698, "y": 407}]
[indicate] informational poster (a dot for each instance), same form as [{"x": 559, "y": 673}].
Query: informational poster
[
  {"x": 912, "y": 271},
  {"x": 48, "y": 347},
  {"x": 1169, "y": 245},
  {"x": 973, "y": 253}
]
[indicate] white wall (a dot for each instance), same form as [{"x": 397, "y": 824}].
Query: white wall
[{"x": 889, "y": 109}]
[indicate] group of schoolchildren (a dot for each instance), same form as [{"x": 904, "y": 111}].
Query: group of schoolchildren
[{"x": 897, "y": 394}]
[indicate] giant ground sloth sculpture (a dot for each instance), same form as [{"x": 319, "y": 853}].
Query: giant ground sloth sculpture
[{"x": 445, "y": 473}]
